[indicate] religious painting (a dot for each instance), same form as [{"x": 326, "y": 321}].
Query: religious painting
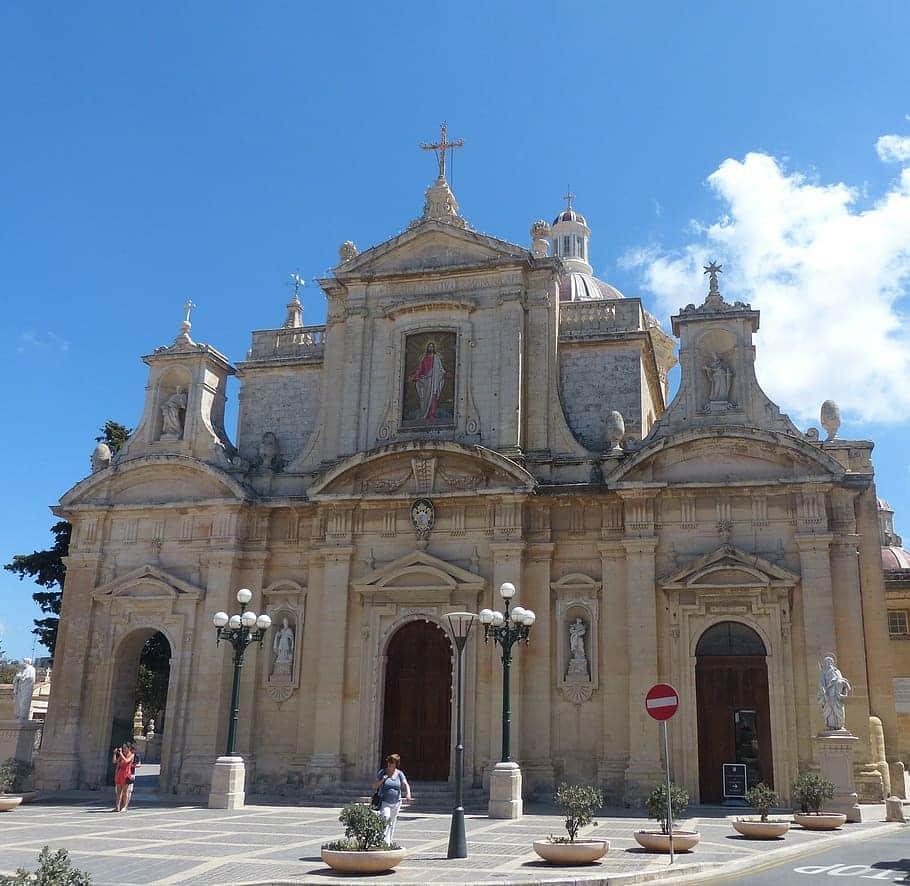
[{"x": 429, "y": 380}]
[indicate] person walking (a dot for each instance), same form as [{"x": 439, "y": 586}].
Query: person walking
[
  {"x": 393, "y": 788},
  {"x": 123, "y": 775}
]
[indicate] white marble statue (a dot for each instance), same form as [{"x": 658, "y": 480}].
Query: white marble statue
[
  {"x": 23, "y": 689},
  {"x": 172, "y": 413},
  {"x": 833, "y": 688},
  {"x": 720, "y": 377},
  {"x": 283, "y": 647},
  {"x": 577, "y": 631}
]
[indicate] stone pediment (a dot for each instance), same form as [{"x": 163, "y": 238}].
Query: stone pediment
[
  {"x": 406, "y": 470},
  {"x": 148, "y": 583},
  {"x": 729, "y": 568},
  {"x": 420, "y": 577},
  {"x": 430, "y": 245}
]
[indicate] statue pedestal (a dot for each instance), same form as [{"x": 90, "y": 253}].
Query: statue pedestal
[
  {"x": 835, "y": 754},
  {"x": 228, "y": 780},
  {"x": 505, "y": 791},
  {"x": 17, "y": 738}
]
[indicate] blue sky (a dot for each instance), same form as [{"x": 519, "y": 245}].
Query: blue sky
[{"x": 157, "y": 153}]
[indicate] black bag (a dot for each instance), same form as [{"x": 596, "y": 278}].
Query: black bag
[{"x": 376, "y": 801}]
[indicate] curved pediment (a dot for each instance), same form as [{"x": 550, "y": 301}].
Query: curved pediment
[
  {"x": 148, "y": 583},
  {"x": 155, "y": 479},
  {"x": 726, "y": 455},
  {"x": 405, "y": 470},
  {"x": 420, "y": 577},
  {"x": 729, "y": 567}
]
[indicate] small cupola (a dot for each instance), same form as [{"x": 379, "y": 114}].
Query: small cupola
[{"x": 569, "y": 236}]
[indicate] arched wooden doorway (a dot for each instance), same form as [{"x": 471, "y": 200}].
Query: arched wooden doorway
[
  {"x": 417, "y": 711},
  {"x": 734, "y": 721}
]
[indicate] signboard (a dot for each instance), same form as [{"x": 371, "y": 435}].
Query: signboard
[
  {"x": 662, "y": 701},
  {"x": 734, "y": 780}
]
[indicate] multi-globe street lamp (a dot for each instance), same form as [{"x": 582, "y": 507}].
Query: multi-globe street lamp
[
  {"x": 238, "y": 631},
  {"x": 506, "y": 629},
  {"x": 460, "y": 624}
]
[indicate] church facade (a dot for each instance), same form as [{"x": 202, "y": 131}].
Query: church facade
[{"x": 475, "y": 412}]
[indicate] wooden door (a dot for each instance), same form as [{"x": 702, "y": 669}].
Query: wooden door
[
  {"x": 734, "y": 724},
  {"x": 417, "y": 712}
]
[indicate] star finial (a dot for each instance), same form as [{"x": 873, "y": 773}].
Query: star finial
[{"x": 712, "y": 269}]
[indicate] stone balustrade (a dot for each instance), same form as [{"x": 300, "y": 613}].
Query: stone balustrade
[
  {"x": 294, "y": 343},
  {"x": 591, "y": 319}
]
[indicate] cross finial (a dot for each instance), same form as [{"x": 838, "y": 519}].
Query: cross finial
[
  {"x": 712, "y": 269},
  {"x": 568, "y": 197},
  {"x": 441, "y": 147},
  {"x": 297, "y": 282},
  {"x": 188, "y": 307}
]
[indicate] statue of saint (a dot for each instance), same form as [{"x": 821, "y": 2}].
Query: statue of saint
[
  {"x": 172, "y": 413},
  {"x": 23, "y": 689},
  {"x": 428, "y": 379},
  {"x": 269, "y": 452},
  {"x": 720, "y": 377},
  {"x": 833, "y": 688},
  {"x": 577, "y": 631},
  {"x": 283, "y": 647}
]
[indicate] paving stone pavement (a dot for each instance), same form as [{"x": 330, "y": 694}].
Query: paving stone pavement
[{"x": 182, "y": 844}]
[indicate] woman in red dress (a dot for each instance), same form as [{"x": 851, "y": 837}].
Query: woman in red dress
[{"x": 123, "y": 775}]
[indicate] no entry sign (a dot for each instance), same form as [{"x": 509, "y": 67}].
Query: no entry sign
[{"x": 661, "y": 702}]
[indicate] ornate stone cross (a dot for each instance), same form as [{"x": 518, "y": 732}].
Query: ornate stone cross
[
  {"x": 188, "y": 307},
  {"x": 441, "y": 147}
]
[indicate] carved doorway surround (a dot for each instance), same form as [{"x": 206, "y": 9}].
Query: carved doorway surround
[
  {"x": 723, "y": 586},
  {"x": 415, "y": 587}
]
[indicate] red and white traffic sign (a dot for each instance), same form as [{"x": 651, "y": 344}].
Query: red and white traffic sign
[{"x": 662, "y": 701}]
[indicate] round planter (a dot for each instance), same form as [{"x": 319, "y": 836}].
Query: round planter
[
  {"x": 580, "y": 852},
  {"x": 761, "y": 830},
  {"x": 820, "y": 821},
  {"x": 375, "y": 861},
  {"x": 9, "y": 801},
  {"x": 655, "y": 841}
]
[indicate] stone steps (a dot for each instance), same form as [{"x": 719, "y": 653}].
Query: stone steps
[{"x": 426, "y": 795}]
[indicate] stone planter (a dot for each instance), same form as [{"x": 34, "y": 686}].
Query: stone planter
[
  {"x": 374, "y": 861},
  {"x": 756, "y": 829},
  {"x": 820, "y": 821},
  {"x": 579, "y": 852},
  {"x": 9, "y": 801},
  {"x": 655, "y": 841}
]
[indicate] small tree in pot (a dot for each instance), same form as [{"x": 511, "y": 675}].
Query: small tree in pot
[
  {"x": 13, "y": 775},
  {"x": 761, "y": 798},
  {"x": 363, "y": 850},
  {"x": 659, "y": 841},
  {"x": 810, "y": 792},
  {"x": 578, "y": 803}
]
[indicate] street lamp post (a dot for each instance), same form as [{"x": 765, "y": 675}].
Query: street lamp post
[
  {"x": 460, "y": 624},
  {"x": 506, "y": 629},
  {"x": 239, "y": 630}
]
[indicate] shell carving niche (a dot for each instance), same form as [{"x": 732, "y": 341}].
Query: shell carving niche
[
  {"x": 285, "y": 606},
  {"x": 577, "y": 620}
]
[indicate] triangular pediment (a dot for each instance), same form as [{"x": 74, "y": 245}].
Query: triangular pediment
[
  {"x": 148, "y": 582},
  {"x": 729, "y": 567},
  {"x": 419, "y": 573},
  {"x": 430, "y": 245}
]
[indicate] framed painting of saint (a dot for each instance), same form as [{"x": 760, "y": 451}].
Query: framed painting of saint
[{"x": 428, "y": 399}]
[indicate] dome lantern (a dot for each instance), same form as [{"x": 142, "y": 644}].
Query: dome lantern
[{"x": 569, "y": 236}]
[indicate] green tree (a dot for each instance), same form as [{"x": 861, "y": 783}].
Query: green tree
[
  {"x": 47, "y": 569},
  {"x": 152, "y": 678}
]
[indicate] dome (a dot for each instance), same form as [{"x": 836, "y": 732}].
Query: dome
[
  {"x": 895, "y": 558},
  {"x": 570, "y": 215},
  {"x": 578, "y": 286}
]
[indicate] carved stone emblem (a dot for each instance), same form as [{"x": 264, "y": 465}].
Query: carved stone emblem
[{"x": 423, "y": 516}]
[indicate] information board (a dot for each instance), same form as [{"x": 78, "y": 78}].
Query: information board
[{"x": 734, "y": 780}]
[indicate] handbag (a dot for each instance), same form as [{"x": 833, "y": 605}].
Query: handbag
[{"x": 376, "y": 801}]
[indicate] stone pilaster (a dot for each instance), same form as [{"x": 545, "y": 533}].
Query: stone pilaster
[{"x": 511, "y": 375}]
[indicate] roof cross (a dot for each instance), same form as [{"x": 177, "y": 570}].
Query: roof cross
[
  {"x": 296, "y": 281},
  {"x": 441, "y": 147},
  {"x": 568, "y": 197},
  {"x": 188, "y": 307},
  {"x": 712, "y": 269}
]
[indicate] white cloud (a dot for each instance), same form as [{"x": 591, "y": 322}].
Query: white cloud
[
  {"x": 32, "y": 341},
  {"x": 893, "y": 148},
  {"x": 830, "y": 279}
]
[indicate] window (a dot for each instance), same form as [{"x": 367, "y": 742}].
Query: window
[
  {"x": 565, "y": 245},
  {"x": 897, "y": 622}
]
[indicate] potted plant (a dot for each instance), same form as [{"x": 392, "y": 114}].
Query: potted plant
[
  {"x": 659, "y": 841},
  {"x": 762, "y": 798},
  {"x": 362, "y": 851},
  {"x": 13, "y": 775},
  {"x": 578, "y": 803},
  {"x": 810, "y": 791}
]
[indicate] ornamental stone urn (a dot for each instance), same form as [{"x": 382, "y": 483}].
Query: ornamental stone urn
[
  {"x": 615, "y": 431},
  {"x": 830, "y": 418}
]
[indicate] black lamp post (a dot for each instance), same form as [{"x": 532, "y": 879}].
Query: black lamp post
[
  {"x": 239, "y": 631},
  {"x": 506, "y": 629},
  {"x": 460, "y": 624}
]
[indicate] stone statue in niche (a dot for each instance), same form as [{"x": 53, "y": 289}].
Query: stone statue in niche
[
  {"x": 833, "y": 688},
  {"x": 721, "y": 377},
  {"x": 578, "y": 659},
  {"x": 283, "y": 647},
  {"x": 173, "y": 413}
]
